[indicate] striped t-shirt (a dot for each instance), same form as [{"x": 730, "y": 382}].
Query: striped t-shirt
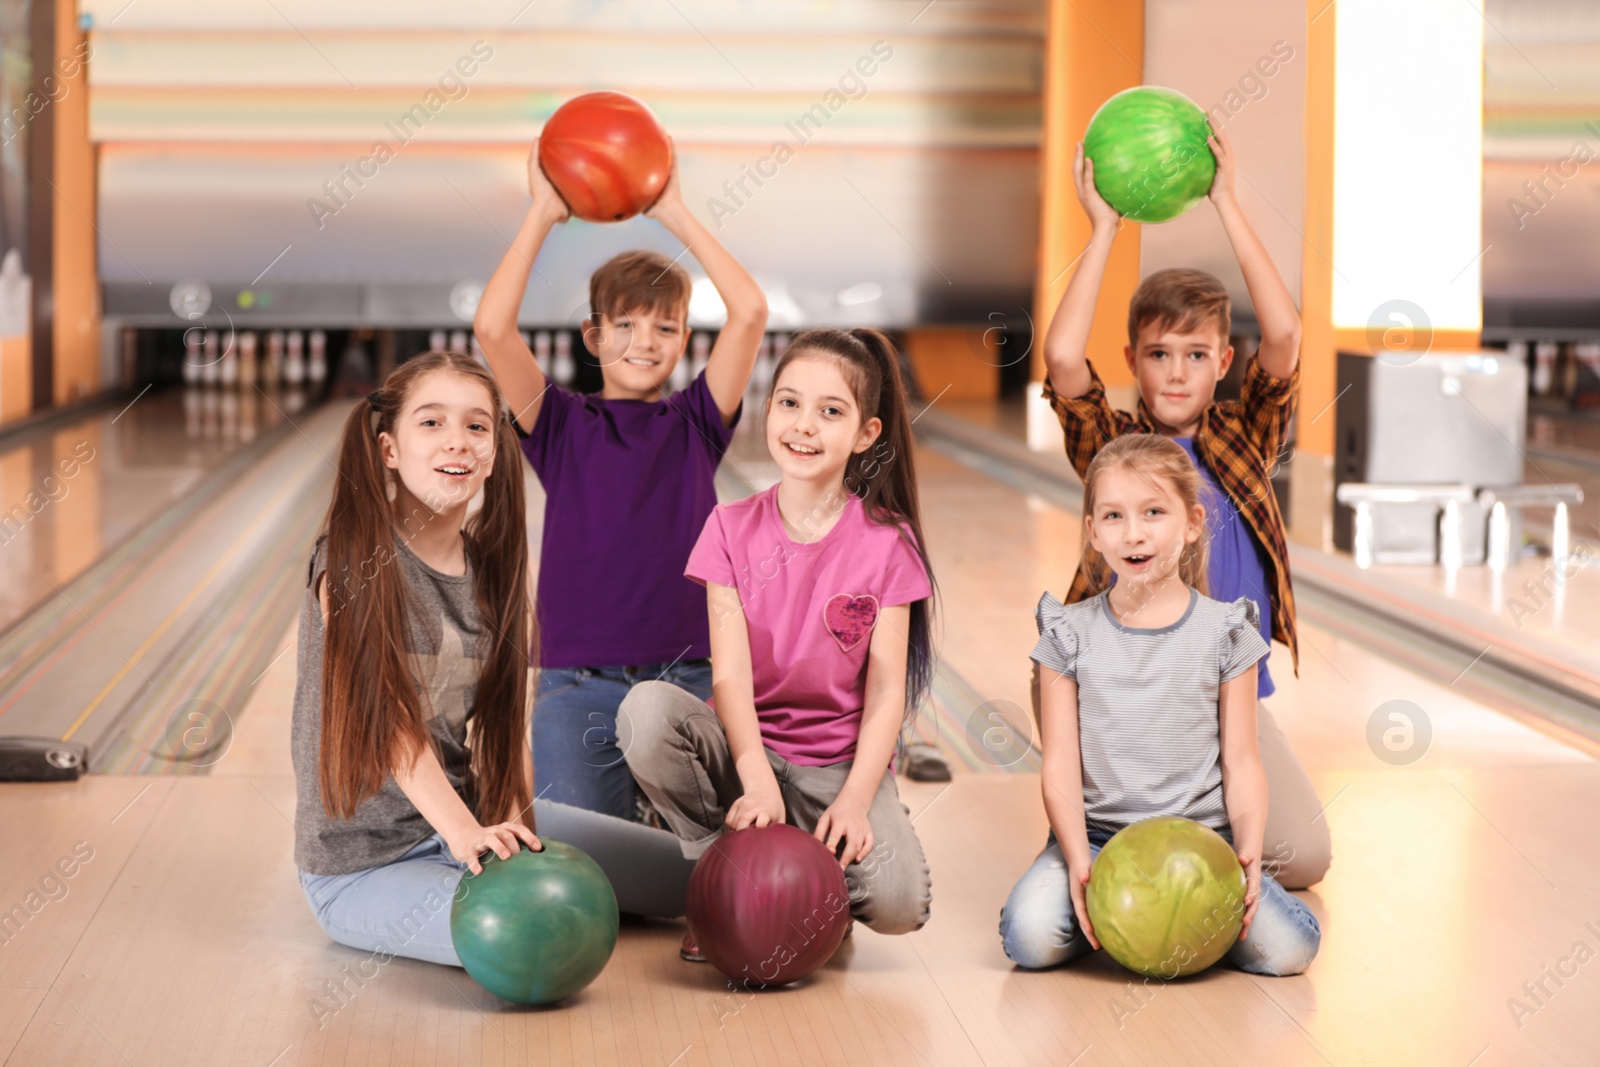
[{"x": 1148, "y": 720}]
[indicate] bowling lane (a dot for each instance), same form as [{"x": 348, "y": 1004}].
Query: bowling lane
[
  {"x": 1456, "y": 874},
  {"x": 71, "y": 491}
]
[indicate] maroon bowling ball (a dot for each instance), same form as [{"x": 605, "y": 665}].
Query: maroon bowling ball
[{"x": 768, "y": 905}]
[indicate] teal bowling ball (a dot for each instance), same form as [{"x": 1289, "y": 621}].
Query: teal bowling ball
[
  {"x": 1151, "y": 159},
  {"x": 1166, "y": 897},
  {"x": 538, "y": 927}
]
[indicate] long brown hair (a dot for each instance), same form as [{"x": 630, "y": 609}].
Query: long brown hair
[
  {"x": 1153, "y": 458},
  {"x": 883, "y": 475},
  {"x": 372, "y": 713}
]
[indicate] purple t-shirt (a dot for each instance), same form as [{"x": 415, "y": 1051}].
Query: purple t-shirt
[
  {"x": 811, "y": 609},
  {"x": 628, "y": 486},
  {"x": 1238, "y": 563}
]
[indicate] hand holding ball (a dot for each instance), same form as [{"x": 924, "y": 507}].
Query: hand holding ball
[
  {"x": 1151, "y": 160},
  {"x": 607, "y": 155}
]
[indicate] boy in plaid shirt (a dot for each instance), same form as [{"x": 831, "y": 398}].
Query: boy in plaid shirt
[{"x": 1178, "y": 328}]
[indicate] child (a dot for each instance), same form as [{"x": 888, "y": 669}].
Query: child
[
  {"x": 1148, "y": 694},
  {"x": 820, "y": 596},
  {"x": 411, "y": 703},
  {"x": 1178, "y": 325},
  {"x": 628, "y": 483}
]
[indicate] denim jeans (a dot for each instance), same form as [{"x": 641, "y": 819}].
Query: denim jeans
[
  {"x": 1038, "y": 927},
  {"x": 576, "y": 757},
  {"x": 402, "y": 908}
]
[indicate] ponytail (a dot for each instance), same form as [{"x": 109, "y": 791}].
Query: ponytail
[{"x": 883, "y": 475}]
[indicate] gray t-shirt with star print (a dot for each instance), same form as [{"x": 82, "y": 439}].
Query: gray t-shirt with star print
[{"x": 442, "y": 644}]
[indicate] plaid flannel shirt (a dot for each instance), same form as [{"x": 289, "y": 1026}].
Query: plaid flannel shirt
[{"x": 1239, "y": 440}]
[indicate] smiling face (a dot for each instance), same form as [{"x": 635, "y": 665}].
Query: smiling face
[
  {"x": 443, "y": 444},
  {"x": 1140, "y": 526},
  {"x": 1178, "y": 372},
  {"x": 814, "y": 424},
  {"x": 637, "y": 349}
]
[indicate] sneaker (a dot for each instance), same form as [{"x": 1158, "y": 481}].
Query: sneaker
[
  {"x": 690, "y": 951},
  {"x": 924, "y": 763}
]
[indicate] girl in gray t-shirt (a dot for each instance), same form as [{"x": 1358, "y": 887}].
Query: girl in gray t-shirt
[
  {"x": 1148, "y": 705},
  {"x": 412, "y": 695}
]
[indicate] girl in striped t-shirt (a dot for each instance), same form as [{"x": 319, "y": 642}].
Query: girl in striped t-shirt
[{"x": 1148, "y": 709}]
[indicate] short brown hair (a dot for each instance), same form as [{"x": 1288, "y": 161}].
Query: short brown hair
[
  {"x": 1182, "y": 299},
  {"x": 639, "y": 281}
]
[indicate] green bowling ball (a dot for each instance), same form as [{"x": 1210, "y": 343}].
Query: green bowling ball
[
  {"x": 1166, "y": 897},
  {"x": 1151, "y": 160},
  {"x": 538, "y": 927}
]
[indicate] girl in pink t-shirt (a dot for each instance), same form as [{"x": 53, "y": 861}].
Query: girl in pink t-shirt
[{"x": 820, "y": 597}]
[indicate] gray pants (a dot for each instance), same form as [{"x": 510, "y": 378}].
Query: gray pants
[{"x": 678, "y": 754}]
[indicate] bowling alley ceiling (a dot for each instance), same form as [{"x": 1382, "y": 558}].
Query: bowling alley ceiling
[
  {"x": 223, "y": 127},
  {"x": 234, "y": 137}
]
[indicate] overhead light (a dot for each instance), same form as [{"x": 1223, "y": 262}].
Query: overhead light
[
  {"x": 864, "y": 293},
  {"x": 705, "y": 304}
]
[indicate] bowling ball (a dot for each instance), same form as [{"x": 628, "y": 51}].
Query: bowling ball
[
  {"x": 538, "y": 927},
  {"x": 606, "y": 155},
  {"x": 768, "y": 905},
  {"x": 1151, "y": 160},
  {"x": 1166, "y": 897}
]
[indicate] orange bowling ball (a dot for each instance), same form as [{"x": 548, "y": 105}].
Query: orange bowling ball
[{"x": 606, "y": 154}]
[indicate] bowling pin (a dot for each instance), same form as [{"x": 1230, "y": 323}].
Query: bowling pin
[
  {"x": 477, "y": 352},
  {"x": 680, "y": 374},
  {"x": 294, "y": 366},
  {"x": 762, "y": 378},
  {"x": 317, "y": 365},
  {"x": 228, "y": 370},
  {"x": 1544, "y": 366},
  {"x": 210, "y": 359},
  {"x": 699, "y": 352},
  {"x": 458, "y": 340},
  {"x": 192, "y": 357},
  {"x": 248, "y": 367},
  {"x": 541, "y": 350},
  {"x": 273, "y": 374},
  {"x": 437, "y": 341},
  {"x": 562, "y": 366}
]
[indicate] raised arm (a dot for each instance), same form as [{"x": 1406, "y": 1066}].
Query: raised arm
[
  {"x": 733, "y": 688},
  {"x": 495, "y": 323},
  {"x": 1061, "y": 778},
  {"x": 734, "y": 354},
  {"x": 1275, "y": 311},
  {"x": 1067, "y": 340}
]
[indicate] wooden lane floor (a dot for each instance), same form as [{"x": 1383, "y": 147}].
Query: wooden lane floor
[{"x": 1458, "y": 877}]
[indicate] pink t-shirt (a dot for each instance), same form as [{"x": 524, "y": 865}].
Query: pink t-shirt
[{"x": 810, "y": 609}]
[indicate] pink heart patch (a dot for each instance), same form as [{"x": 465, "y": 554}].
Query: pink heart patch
[{"x": 849, "y": 618}]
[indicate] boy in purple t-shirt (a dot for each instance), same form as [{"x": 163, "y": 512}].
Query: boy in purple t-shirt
[{"x": 627, "y": 474}]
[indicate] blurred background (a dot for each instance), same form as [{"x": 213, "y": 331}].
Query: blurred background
[{"x": 216, "y": 217}]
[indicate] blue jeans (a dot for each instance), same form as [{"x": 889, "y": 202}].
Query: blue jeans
[
  {"x": 577, "y": 759},
  {"x": 402, "y": 908},
  {"x": 1038, "y": 927}
]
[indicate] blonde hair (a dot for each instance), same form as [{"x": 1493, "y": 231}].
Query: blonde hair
[{"x": 1156, "y": 459}]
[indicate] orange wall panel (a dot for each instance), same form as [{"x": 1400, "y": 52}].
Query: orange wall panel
[{"x": 1094, "y": 48}]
